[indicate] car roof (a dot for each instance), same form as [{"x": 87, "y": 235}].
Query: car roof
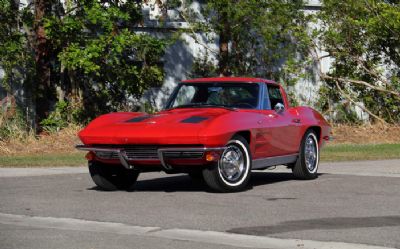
[{"x": 230, "y": 79}]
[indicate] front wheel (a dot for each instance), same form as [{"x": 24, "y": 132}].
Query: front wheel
[
  {"x": 112, "y": 177},
  {"x": 232, "y": 172},
  {"x": 306, "y": 165}
]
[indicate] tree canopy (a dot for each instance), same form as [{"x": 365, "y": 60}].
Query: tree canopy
[
  {"x": 363, "y": 38},
  {"x": 256, "y": 38},
  {"x": 83, "y": 52}
]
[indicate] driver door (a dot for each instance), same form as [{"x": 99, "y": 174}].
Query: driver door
[{"x": 279, "y": 129}]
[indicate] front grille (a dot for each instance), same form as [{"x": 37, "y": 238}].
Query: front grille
[
  {"x": 183, "y": 154},
  {"x": 146, "y": 152},
  {"x": 106, "y": 155},
  {"x": 133, "y": 152}
]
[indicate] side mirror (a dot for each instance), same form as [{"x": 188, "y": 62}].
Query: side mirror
[{"x": 279, "y": 108}]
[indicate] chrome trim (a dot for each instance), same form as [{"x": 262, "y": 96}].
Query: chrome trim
[
  {"x": 273, "y": 161},
  {"x": 89, "y": 148},
  {"x": 232, "y": 164},
  {"x": 121, "y": 153},
  {"x": 124, "y": 158},
  {"x": 311, "y": 153},
  {"x": 182, "y": 149}
]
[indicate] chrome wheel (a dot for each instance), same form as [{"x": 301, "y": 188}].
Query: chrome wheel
[
  {"x": 306, "y": 166},
  {"x": 232, "y": 171},
  {"x": 232, "y": 165},
  {"x": 310, "y": 153}
]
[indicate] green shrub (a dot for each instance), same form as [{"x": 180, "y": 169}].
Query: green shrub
[{"x": 57, "y": 119}]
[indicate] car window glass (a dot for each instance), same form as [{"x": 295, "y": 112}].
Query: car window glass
[
  {"x": 232, "y": 96},
  {"x": 275, "y": 95},
  {"x": 266, "y": 103},
  {"x": 235, "y": 95},
  {"x": 185, "y": 95}
]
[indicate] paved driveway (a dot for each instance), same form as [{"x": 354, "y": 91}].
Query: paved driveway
[{"x": 350, "y": 205}]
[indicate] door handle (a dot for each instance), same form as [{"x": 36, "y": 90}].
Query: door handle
[{"x": 296, "y": 120}]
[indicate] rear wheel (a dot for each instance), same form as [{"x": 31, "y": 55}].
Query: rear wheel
[
  {"x": 232, "y": 172},
  {"x": 112, "y": 177},
  {"x": 306, "y": 166}
]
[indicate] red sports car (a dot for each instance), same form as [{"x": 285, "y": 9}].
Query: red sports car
[{"x": 214, "y": 129}]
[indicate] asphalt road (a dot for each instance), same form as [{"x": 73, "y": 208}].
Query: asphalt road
[{"x": 350, "y": 205}]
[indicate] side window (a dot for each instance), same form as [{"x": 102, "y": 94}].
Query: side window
[
  {"x": 275, "y": 96},
  {"x": 266, "y": 104}
]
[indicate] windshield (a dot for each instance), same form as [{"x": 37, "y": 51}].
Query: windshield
[{"x": 228, "y": 95}]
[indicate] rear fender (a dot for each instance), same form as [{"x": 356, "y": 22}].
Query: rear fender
[{"x": 312, "y": 118}]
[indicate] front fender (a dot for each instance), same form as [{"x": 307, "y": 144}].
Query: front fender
[
  {"x": 224, "y": 127},
  {"x": 106, "y": 119}
]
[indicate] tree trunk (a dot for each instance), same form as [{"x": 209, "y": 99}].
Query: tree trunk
[
  {"x": 42, "y": 47},
  {"x": 224, "y": 38}
]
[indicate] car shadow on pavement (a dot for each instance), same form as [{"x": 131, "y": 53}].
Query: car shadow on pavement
[
  {"x": 177, "y": 183},
  {"x": 183, "y": 183},
  {"x": 267, "y": 177}
]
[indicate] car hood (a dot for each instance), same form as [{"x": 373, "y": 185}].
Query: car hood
[{"x": 177, "y": 126}]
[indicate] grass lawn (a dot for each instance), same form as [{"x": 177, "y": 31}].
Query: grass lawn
[
  {"x": 353, "y": 152},
  {"x": 44, "y": 160},
  {"x": 340, "y": 152}
]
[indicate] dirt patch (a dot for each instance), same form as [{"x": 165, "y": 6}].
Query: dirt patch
[
  {"x": 60, "y": 142},
  {"x": 367, "y": 134}
]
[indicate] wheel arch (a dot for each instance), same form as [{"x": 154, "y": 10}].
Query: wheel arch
[
  {"x": 246, "y": 134},
  {"x": 317, "y": 130}
]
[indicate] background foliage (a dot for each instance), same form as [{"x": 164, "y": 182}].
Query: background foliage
[
  {"x": 255, "y": 38},
  {"x": 96, "y": 59},
  {"x": 363, "y": 38},
  {"x": 101, "y": 53}
]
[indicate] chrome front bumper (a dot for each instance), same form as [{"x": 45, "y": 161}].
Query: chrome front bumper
[{"x": 123, "y": 158}]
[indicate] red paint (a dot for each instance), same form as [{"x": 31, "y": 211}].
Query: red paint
[
  {"x": 229, "y": 79},
  {"x": 271, "y": 133}
]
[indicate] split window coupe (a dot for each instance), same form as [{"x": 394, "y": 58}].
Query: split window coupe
[{"x": 214, "y": 129}]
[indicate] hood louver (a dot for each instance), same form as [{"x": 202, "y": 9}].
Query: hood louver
[
  {"x": 138, "y": 119},
  {"x": 194, "y": 120}
]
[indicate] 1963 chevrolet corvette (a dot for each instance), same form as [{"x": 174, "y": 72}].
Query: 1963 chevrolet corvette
[{"x": 215, "y": 129}]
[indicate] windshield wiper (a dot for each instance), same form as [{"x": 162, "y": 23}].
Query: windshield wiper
[{"x": 202, "y": 105}]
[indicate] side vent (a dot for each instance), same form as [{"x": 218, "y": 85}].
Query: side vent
[{"x": 194, "y": 120}]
